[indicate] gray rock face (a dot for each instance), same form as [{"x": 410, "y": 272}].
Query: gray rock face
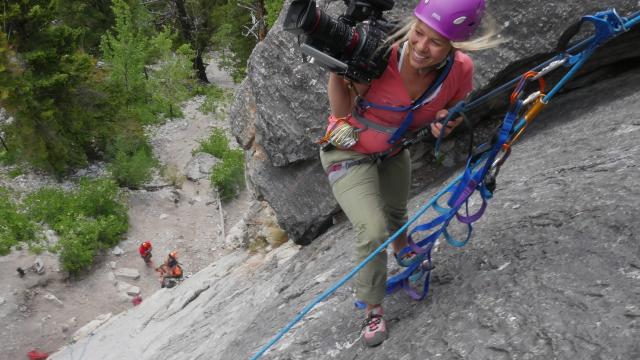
[
  {"x": 552, "y": 272},
  {"x": 200, "y": 166},
  {"x": 301, "y": 203},
  {"x": 280, "y": 110}
]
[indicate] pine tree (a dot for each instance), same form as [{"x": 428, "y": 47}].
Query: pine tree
[
  {"x": 124, "y": 49},
  {"x": 92, "y": 17},
  {"x": 44, "y": 87}
]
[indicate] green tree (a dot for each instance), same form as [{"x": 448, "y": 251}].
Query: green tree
[
  {"x": 192, "y": 20},
  {"x": 92, "y": 17},
  {"x": 124, "y": 48},
  {"x": 233, "y": 39},
  {"x": 144, "y": 92},
  {"x": 131, "y": 160},
  {"x": 230, "y": 27},
  {"x": 45, "y": 76},
  {"x": 240, "y": 26}
]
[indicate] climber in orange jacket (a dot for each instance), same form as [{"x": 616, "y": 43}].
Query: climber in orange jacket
[{"x": 170, "y": 271}]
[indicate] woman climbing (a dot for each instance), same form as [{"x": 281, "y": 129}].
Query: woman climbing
[{"x": 365, "y": 119}]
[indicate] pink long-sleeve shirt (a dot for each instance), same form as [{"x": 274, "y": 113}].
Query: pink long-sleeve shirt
[{"x": 389, "y": 90}]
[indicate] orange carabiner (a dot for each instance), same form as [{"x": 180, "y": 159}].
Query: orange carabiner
[
  {"x": 529, "y": 116},
  {"x": 518, "y": 89}
]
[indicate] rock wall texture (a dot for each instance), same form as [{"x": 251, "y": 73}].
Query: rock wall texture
[
  {"x": 281, "y": 108},
  {"x": 552, "y": 272}
]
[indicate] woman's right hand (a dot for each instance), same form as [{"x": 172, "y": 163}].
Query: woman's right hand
[{"x": 436, "y": 126}]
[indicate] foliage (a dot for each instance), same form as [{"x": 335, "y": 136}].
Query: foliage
[
  {"x": 173, "y": 81},
  {"x": 231, "y": 39},
  {"x": 99, "y": 198},
  {"x": 217, "y": 144},
  {"x": 91, "y": 218},
  {"x": 192, "y": 22},
  {"x": 69, "y": 107},
  {"x": 92, "y": 18},
  {"x": 15, "y": 172},
  {"x": 214, "y": 96},
  {"x": 273, "y": 8},
  {"x": 15, "y": 227},
  {"x": 228, "y": 175},
  {"x": 78, "y": 247},
  {"x": 124, "y": 48},
  {"x": 145, "y": 92},
  {"x": 7, "y": 66},
  {"x": 48, "y": 205},
  {"x": 7, "y": 157},
  {"x": 132, "y": 160},
  {"x": 43, "y": 74},
  {"x": 239, "y": 30}
]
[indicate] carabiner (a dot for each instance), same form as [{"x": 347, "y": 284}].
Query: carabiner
[{"x": 549, "y": 68}]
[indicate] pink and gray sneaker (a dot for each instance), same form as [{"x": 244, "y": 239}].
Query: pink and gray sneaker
[{"x": 374, "y": 329}]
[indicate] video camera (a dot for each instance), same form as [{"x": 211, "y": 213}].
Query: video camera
[{"x": 353, "y": 45}]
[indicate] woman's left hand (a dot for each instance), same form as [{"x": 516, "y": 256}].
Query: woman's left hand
[{"x": 436, "y": 126}]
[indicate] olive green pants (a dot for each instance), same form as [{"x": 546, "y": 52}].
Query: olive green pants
[{"x": 374, "y": 198}]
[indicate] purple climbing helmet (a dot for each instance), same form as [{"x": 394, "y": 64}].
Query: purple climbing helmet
[{"x": 454, "y": 19}]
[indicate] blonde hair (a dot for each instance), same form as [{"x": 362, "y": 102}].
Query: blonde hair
[{"x": 489, "y": 37}]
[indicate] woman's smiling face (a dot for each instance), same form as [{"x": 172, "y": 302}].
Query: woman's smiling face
[{"x": 427, "y": 47}]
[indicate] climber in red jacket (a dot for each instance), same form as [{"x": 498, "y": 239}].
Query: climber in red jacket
[{"x": 145, "y": 252}]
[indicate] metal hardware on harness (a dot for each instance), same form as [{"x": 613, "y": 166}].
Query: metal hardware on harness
[
  {"x": 533, "y": 111},
  {"x": 529, "y": 75},
  {"x": 534, "y": 95},
  {"x": 495, "y": 166},
  {"x": 341, "y": 135},
  {"x": 607, "y": 23},
  {"x": 535, "y": 108},
  {"x": 549, "y": 68},
  {"x": 501, "y": 158}
]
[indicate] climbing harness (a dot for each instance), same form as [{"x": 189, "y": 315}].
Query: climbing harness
[
  {"x": 483, "y": 165},
  {"x": 341, "y": 135},
  {"x": 425, "y": 98}
]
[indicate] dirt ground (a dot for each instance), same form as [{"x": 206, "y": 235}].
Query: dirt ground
[{"x": 42, "y": 311}]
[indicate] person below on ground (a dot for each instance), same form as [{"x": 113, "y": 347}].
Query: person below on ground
[
  {"x": 145, "y": 252},
  {"x": 170, "y": 271},
  {"x": 374, "y": 195}
]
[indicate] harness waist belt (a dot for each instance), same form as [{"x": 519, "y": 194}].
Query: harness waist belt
[{"x": 373, "y": 125}]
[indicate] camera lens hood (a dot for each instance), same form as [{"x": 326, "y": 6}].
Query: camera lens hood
[{"x": 301, "y": 17}]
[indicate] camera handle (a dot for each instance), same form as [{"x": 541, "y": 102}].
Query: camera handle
[{"x": 330, "y": 62}]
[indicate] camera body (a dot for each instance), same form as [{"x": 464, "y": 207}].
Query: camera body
[{"x": 353, "y": 45}]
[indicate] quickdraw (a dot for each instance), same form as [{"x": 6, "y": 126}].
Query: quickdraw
[{"x": 483, "y": 165}]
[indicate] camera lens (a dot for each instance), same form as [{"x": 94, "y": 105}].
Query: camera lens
[
  {"x": 303, "y": 17},
  {"x": 333, "y": 34}
]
